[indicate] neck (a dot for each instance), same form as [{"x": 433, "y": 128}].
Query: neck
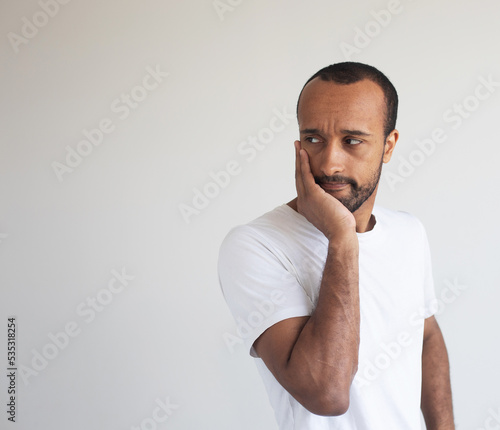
[{"x": 365, "y": 221}]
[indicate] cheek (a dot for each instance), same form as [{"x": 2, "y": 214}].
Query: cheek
[
  {"x": 364, "y": 166},
  {"x": 314, "y": 161}
]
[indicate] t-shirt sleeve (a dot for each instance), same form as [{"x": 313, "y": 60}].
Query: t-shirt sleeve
[
  {"x": 430, "y": 300},
  {"x": 257, "y": 286}
]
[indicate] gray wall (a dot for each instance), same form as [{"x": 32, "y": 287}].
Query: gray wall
[{"x": 116, "y": 115}]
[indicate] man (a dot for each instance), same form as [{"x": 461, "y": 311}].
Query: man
[{"x": 331, "y": 293}]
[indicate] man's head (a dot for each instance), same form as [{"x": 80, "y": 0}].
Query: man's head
[
  {"x": 350, "y": 73},
  {"x": 347, "y": 114}
]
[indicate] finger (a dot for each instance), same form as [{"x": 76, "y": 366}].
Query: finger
[
  {"x": 296, "y": 144},
  {"x": 298, "y": 172},
  {"x": 308, "y": 181}
]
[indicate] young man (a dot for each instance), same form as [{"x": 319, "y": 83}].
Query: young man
[{"x": 331, "y": 293}]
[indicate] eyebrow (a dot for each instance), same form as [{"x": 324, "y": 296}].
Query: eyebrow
[
  {"x": 310, "y": 131},
  {"x": 355, "y": 132},
  {"x": 343, "y": 131}
]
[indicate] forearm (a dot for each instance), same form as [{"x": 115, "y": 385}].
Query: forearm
[
  {"x": 324, "y": 359},
  {"x": 436, "y": 401}
]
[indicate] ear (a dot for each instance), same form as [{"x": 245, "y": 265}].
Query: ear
[{"x": 390, "y": 144}]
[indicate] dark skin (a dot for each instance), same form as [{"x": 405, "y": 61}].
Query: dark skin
[{"x": 315, "y": 358}]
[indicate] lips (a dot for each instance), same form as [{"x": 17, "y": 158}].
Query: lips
[{"x": 334, "y": 186}]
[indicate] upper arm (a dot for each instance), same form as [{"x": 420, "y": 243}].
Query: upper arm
[
  {"x": 436, "y": 399},
  {"x": 300, "y": 370},
  {"x": 431, "y": 328},
  {"x": 275, "y": 348},
  {"x": 275, "y": 345}
]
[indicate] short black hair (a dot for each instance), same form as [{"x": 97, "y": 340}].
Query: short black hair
[{"x": 350, "y": 72}]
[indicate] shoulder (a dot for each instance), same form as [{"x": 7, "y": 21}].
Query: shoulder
[
  {"x": 401, "y": 226},
  {"x": 277, "y": 228},
  {"x": 397, "y": 219}
]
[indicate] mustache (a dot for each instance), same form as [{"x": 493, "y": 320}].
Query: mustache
[{"x": 335, "y": 179}]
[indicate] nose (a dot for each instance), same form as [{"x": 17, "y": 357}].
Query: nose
[{"x": 332, "y": 159}]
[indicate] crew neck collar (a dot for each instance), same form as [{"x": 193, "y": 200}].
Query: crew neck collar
[{"x": 361, "y": 236}]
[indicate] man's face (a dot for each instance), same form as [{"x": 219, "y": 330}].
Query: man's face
[{"x": 342, "y": 130}]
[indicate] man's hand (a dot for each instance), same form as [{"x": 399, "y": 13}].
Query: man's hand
[{"x": 321, "y": 209}]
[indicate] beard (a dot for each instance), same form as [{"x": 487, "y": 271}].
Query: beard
[{"x": 359, "y": 193}]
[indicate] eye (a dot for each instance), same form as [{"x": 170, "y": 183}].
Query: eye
[
  {"x": 353, "y": 141},
  {"x": 312, "y": 139}
]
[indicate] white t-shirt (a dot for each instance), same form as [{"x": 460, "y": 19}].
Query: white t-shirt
[{"x": 270, "y": 269}]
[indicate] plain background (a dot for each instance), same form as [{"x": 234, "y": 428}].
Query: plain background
[{"x": 165, "y": 333}]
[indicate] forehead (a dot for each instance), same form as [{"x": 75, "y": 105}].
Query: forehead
[{"x": 326, "y": 103}]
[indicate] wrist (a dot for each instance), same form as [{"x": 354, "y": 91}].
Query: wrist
[{"x": 346, "y": 240}]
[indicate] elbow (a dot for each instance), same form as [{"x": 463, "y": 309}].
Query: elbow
[
  {"x": 328, "y": 401},
  {"x": 330, "y": 396},
  {"x": 328, "y": 406},
  {"x": 333, "y": 400}
]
